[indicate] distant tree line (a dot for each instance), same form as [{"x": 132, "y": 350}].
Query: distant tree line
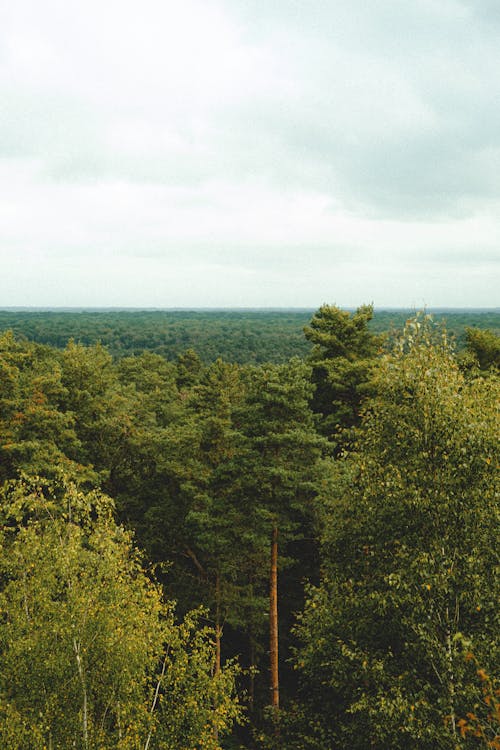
[{"x": 244, "y": 337}]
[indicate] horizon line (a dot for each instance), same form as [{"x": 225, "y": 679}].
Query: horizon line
[{"x": 230, "y": 308}]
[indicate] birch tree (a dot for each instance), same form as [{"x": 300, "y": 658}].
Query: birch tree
[
  {"x": 410, "y": 559},
  {"x": 90, "y": 654}
]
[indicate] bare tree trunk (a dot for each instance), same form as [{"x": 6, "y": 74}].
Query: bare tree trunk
[
  {"x": 81, "y": 674},
  {"x": 156, "y": 695},
  {"x": 218, "y": 636},
  {"x": 273, "y": 621},
  {"x": 119, "y": 719},
  {"x": 451, "y": 675}
]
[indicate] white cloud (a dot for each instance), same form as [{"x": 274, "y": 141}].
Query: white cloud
[{"x": 249, "y": 153}]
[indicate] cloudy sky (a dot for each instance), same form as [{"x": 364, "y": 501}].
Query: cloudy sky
[{"x": 242, "y": 153}]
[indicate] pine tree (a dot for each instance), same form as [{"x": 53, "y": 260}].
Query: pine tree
[{"x": 342, "y": 361}]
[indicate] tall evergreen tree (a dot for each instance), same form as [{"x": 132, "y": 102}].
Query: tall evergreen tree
[
  {"x": 285, "y": 447},
  {"x": 216, "y": 522},
  {"x": 37, "y": 433},
  {"x": 342, "y": 361}
]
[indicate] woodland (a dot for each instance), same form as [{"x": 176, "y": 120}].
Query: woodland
[
  {"x": 242, "y": 336},
  {"x": 268, "y": 534}
]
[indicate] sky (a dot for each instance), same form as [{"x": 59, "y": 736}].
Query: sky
[{"x": 249, "y": 153}]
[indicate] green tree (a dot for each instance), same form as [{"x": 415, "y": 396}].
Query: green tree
[
  {"x": 342, "y": 361},
  {"x": 101, "y": 407},
  {"x": 90, "y": 655},
  {"x": 483, "y": 349},
  {"x": 140, "y": 473},
  {"x": 36, "y": 433},
  {"x": 285, "y": 448},
  {"x": 204, "y": 523},
  {"x": 215, "y": 520},
  {"x": 410, "y": 580},
  {"x": 189, "y": 369}
]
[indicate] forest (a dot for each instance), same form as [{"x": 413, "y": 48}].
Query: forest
[
  {"x": 241, "y": 336},
  {"x": 264, "y": 531}
]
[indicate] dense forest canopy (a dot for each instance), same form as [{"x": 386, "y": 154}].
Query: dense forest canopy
[
  {"x": 242, "y": 336},
  {"x": 265, "y": 551}
]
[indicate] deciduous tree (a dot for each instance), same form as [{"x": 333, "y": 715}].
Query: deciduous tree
[
  {"x": 90, "y": 655},
  {"x": 410, "y": 518}
]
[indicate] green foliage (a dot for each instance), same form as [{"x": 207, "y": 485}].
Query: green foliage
[
  {"x": 216, "y": 518},
  {"x": 36, "y": 434},
  {"x": 342, "y": 360},
  {"x": 285, "y": 446},
  {"x": 483, "y": 348},
  {"x": 337, "y": 333},
  {"x": 279, "y": 484},
  {"x": 409, "y": 519},
  {"x": 243, "y": 336},
  {"x": 249, "y": 336},
  {"x": 90, "y": 656},
  {"x": 100, "y": 406},
  {"x": 203, "y": 462}
]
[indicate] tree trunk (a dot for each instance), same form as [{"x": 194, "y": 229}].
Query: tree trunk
[
  {"x": 156, "y": 696},
  {"x": 273, "y": 621},
  {"x": 451, "y": 675},
  {"x": 218, "y": 627},
  {"x": 81, "y": 674}
]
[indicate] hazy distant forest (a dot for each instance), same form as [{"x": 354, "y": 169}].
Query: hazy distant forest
[
  {"x": 243, "y": 336},
  {"x": 260, "y": 530}
]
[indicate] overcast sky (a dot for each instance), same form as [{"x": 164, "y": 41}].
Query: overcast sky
[{"x": 249, "y": 152}]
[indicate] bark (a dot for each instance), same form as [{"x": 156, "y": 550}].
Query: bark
[
  {"x": 156, "y": 696},
  {"x": 199, "y": 567},
  {"x": 218, "y": 635},
  {"x": 451, "y": 674},
  {"x": 273, "y": 621},
  {"x": 119, "y": 720},
  {"x": 81, "y": 674}
]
